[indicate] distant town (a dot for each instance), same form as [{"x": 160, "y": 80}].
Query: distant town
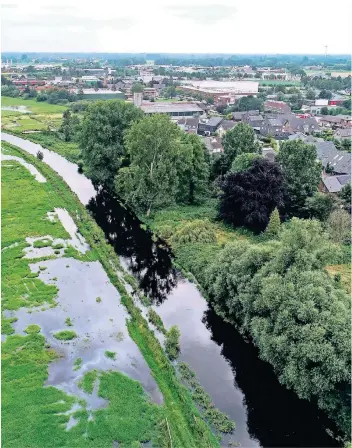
[{"x": 310, "y": 102}]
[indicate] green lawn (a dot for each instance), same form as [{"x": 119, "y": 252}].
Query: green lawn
[
  {"x": 277, "y": 82},
  {"x": 33, "y": 105}
]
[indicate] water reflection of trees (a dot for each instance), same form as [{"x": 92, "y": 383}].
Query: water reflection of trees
[
  {"x": 149, "y": 260},
  {"x": 275, "y": 415}
]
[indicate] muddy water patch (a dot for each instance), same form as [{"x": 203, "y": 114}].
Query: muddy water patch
[
  {"x": 32, "y": 169},
  {"x": 100, "y": 326}
]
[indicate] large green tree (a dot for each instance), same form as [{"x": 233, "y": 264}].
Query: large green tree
[
  {"x": 151, "y": 181},
  {"x": 193, "y": 169},
  {"x": 302, "y": 172},
  {"x": 239, "y": 140},
  {"x": 101, "y": 138},
  {"x": 298, "y": 317}
]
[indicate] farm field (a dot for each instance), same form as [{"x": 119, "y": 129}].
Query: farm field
[
  {"x": 32, "y": 105},
  {"x": 30, "y": 116},
  {"x": 278, "y": 82}
]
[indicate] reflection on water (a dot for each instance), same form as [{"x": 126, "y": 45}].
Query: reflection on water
[
  {"x": 148, "y": 260},
  {"x": 275, "y": 415}
]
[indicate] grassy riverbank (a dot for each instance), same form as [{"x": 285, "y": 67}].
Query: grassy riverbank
[
  {"x": 193, "y": 257},
  {"x": 35, "y": 416}
]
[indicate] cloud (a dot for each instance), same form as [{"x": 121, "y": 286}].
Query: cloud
[
  {"x": 9, "y": 5},
  {"x": 207, "y": 14}
]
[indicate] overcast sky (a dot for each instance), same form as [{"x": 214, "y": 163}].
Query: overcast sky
[{"x": 202, "y": 26}]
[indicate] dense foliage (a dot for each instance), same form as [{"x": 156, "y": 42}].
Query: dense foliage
[
  {"x": 197, "y": 231},
  {"x": 302, "y": 173},
  {"x": 151, "y": 180},
  {"x": 294, "y": 312},
  {"x": 193, "y": 169},
  {"x": 239, "y": 140},
  {"x": 101, "y": 138},
  {"x": 247, "y": 198}
]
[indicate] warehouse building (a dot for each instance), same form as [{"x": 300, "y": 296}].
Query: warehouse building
[
  {"x": 218, "y": 90},
  {"x": 180, "y": 109}
]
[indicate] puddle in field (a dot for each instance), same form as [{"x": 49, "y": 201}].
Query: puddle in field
[
  {"x": 21, "y": 109},
  {"x": 77, "y": 241},
  {"x": 100, "y": 327},
  {"x": 32, "y": 169}
]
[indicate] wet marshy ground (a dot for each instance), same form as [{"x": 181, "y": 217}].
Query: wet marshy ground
[{"x": 92, "y": 304}]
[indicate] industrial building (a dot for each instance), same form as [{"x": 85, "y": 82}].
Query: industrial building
[
  {"x": 180, "y": 109},
  {"x": 221, "y": 91}
]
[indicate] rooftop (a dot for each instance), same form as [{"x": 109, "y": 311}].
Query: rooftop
[
  {"x": 165, "y": 108},
  {"x": 340, "y": 161}
]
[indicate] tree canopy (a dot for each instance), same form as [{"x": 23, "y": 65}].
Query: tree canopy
[
  {"x": 248, "y": 197},
  {"x": 151, "y": 180},
  {"x": 239, "y": 140},
  {"x": 296, "y": 314},
  {"x": 101, "y": 138},
  {"x": 302, "y": 173},
  {"x": 193, "y": 169}
]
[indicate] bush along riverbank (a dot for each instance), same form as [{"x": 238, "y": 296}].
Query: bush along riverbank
[
  {"x": 179, "y": 423},
  {"x": 278, "y": 291}
]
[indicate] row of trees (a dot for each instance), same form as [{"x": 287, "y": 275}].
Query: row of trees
[{"x": 148, "y": 161}]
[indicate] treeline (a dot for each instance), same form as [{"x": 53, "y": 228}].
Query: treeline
[
  {"x": 51, "y": 95},
  {"x": 328, "y": 84},
  {"x": 148, "y": 161},
  {"x": 276, "y": 292}
]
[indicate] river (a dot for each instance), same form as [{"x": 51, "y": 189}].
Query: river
[{"x": 228, "y": 367}]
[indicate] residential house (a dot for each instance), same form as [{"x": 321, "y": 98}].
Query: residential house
[
  {"x": 330, "y": 121},
  {"x": 343, "y": 134},
  {"x": 189, "y": 124},
  {"x": 318, "y": 105},
  {"x": 293, "y": 124},
  {"x": 277, "y": 106},
  {"x": 305, "y": 138},
  {"x": 210, "y": 126},
  {"x": 226, "y": 125},
  {"x": 330, "y": 156},
  {"x": 273, "y": 127},
  {"x": 334, "y": 184},
  {"x": 255, "y": 121},
  {"x": 346, "y": 120},
  {"x": 237, "y": 116},
  {"x": 213, "y": 144}
]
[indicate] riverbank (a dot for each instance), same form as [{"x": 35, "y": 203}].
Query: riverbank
[
  {"x": 197, "y": 239},
  {"x": 177, "y": 422}
]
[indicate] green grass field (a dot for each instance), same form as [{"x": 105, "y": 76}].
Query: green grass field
[
  {"x": 43, "y": 115},
  {"x": 278, "y": 82},
  {"x": 35, "y": 416},
  {"x": 33, "y": 105}
]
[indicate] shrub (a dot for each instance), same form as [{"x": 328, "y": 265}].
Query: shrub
[
  {"x": 197, "y": 231},
  {"x": 273, "y": 227},
  {"x": 155, "y": 319},
  {"x": 65, "y": 335},
  {"x": 172, "y": 344},
  {"x": 111, "y": 355},
  {"x": 40, "y": 155},
  {"x": 68, "y": 322},
  {"x": 31, "y": 329}
]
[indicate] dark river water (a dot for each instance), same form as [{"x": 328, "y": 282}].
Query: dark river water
[{"x": 228, "y": 367}]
